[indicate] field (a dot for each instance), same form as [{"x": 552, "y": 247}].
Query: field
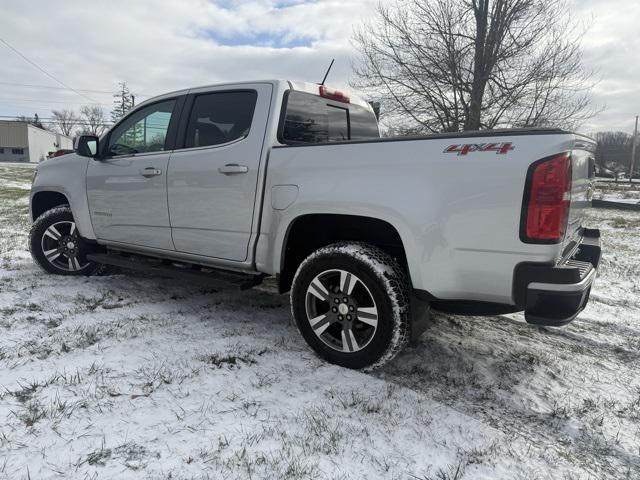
[{"x": 131, "y": 376}]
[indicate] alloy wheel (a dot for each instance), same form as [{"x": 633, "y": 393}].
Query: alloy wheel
[
  {"x": 341, "y": 310},
  {"x": 61, "y": 246}
]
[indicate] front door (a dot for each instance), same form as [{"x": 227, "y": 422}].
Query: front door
[
  {"x": 127, "y": 188},
  {"x": 212, "y": 180}
]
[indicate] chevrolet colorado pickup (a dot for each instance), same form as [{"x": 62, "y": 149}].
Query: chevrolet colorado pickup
[{"x": 277, "y": 178}]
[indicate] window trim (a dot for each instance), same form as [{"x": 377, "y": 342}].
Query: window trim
[
  {"x": 348, "y": 112},
  {"x": 181, "y": 138},
  {"x": 170, "y": 140}
]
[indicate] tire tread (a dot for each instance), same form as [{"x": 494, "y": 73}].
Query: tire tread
[{"x": 393, "y": 279}]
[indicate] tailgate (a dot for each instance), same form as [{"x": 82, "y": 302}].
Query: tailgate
[{"x": 582, "y": 174}]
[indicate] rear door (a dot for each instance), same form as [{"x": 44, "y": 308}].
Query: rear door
[
  {"x": 127, "y": 187},
  {"x": 213, "y": 177}
]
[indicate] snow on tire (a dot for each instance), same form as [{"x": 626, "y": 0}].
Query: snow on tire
[{"x": 350, "y": 301}]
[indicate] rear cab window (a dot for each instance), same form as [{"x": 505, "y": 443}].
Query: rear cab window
[{"x": 310, "y": 118}]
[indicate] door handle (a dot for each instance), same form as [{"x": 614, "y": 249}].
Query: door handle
[
  {"x": 233, "y": 169},
  {"x": 150, "y": 172}
]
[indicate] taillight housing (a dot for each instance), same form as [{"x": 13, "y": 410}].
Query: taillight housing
[
  {"x": 547, "y": 199},
  {"x": 332, "y": 94}
]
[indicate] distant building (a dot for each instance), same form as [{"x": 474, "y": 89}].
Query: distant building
[{"x": 22, "y": 142}]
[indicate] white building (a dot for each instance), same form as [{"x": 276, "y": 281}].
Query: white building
[{"x": 22, "y": 142}]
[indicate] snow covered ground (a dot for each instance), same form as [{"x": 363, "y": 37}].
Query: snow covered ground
[
  {"x": 618, "y": 192},
  {"x": 131, "y": 376}
]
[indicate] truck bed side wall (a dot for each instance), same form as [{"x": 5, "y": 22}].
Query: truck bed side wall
[{"x": 457, "y": 215}]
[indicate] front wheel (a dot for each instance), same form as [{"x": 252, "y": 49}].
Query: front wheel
[
  {"x": 350, "y": 302},
  {"x": 56, "y": 245}
]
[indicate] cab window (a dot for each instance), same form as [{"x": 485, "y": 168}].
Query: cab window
[
  {"x": 220, "y": 117},
  {"x": 144, "y": 131}
]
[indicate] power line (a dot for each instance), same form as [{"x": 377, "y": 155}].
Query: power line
[
  {"x": 46, "y": 102},
  {"x": 44, "y": 71},
  {"x": 28, "y": 85},
  {"x": 49, "y": 87}
]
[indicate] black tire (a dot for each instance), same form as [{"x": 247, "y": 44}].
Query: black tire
[
  {"x": 57, "y": 220},
  {"x": 380, "y": 276}
]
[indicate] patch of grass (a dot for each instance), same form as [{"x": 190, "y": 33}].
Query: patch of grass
[
  {"x": 621, "y": 222},
  {"x": 363, "y": 403},
  {"x": 25, "y": 392},
  {"x": 23, "y": 173},
  {"x": 264, "y": 380},
  {"x": 451, "y": 472},
  {"x": 89, "y": 304},
  {"x": 60, "y": 409},
  {"x": 321, "y": 434},
  {"x": 228, "y": 360},
  {"x": 53, "y": 322},
  {"x": 98, "y": 457},
  {"x": 134, "y": 456},
  {"x": 8, "y": 311},
  {"x": 158, "y": 374},
  {"x": 31, "y": 413},
  {"x": 12, "y": 194},
  {"x": 35, "y": 349},
  {"x": 31, "y": 307},
  {"x": 87, "y": 338}
]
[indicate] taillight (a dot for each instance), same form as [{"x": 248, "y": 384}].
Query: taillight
[
  {"x": 547, "y": 200},
  {"x": 331, "y": 94}
]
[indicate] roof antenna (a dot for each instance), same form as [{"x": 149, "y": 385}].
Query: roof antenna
[{"x": 328, "y": 70}]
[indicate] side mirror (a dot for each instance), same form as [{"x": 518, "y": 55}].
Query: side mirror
[{"x": 87, "y": 146}]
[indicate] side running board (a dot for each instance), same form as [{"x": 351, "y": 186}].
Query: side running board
[{"x": 168, "y": 268}]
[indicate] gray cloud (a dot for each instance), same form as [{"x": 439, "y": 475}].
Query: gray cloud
[{"x": 158, "y": 46}]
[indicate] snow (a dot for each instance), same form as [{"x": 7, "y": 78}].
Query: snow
[
  {"x": 132, "y": 376},
  {"x": 618, "y": 192}
]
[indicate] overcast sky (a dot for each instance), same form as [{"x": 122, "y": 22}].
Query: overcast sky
[{"x": 157, "y": 46}]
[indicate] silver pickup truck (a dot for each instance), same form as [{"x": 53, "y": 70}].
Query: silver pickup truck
[{"x": 277, "y": 178}]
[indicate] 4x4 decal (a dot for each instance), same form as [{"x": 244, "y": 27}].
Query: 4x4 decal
[{"x": 499, "y": 148}]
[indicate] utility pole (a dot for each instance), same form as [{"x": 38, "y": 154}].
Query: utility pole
[{"x": 633, "y": 150}]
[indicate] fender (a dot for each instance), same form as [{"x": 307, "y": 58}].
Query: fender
[{"x": 67, "y": 176}]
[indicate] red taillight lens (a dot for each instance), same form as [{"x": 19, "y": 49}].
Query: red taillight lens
[
  {"x": 547, "y": 208},
  {"x": 331, "y": 94}
]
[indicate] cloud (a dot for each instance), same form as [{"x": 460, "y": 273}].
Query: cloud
[
  {"x": 158, "y": 46},
  {"x": 162, "y": 46},
  {"x": 612, "y": 47}
]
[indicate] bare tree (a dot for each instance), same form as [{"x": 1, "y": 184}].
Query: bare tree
[
  {"x": 93, "y": 120},
  {"x": 35, "y": 121},
  {"x": 65, "y": 120},
  {"x": 451, "y": 65},
  {"x": 614, "y": 150}
]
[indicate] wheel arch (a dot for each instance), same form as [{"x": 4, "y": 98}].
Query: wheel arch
[
  {"x": 46, "y": 200},
  {"x": 311, "y": 231}
]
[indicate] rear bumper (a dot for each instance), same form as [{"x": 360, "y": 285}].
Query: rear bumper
[{"x": 555, "y": 295}]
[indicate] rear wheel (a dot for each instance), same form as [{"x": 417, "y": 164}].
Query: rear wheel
[
  {"x": 56, "y": 245},
  {"x": 350, "y": 302}
]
